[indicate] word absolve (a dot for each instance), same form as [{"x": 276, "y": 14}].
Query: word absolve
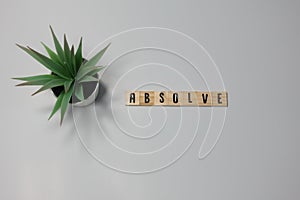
[{"x": 171, "y": 98}]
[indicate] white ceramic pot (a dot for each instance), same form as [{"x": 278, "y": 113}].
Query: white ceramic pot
[{"x": 89, "y": 100}]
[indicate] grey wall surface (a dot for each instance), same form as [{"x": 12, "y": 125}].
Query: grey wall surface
[{"x": 256, "y": 47}]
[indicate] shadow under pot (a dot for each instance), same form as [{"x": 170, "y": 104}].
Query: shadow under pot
[{"x": 90, "y": 93}]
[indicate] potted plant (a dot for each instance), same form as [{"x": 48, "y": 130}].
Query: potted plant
[{"x": 72, "y": 79}]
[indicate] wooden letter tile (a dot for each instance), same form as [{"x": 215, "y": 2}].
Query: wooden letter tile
[
  {"x": 147, "y": 98},
  {"x": 161, "y": 98},
  {"x": 219, "y": 99},
  {"x": 132, "y": 98},
  {"x": 204, "y": 99},
  {"x": 188, "y": 99}
]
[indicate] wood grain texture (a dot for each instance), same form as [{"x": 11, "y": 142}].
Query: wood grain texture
[{"x": 146, "y": 98}]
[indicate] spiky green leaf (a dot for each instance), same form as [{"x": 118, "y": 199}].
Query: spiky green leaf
[
  {"x": 66, "y": 49},
  {"x": 48, "y": 63},
  {"x": 33, "y": 83},
  {"x": 52, "y": 54},
  {"x": 67, "y": 85},
  {"x": 65, "y": 103},
  {"x": 37, "y": 77},
  {"x": 79, "y": 92},
  {"x": 88, "y": 79},
  {"x": 78, "y": 55},
  {"x": 95, "y": 59},
  {"x": 73, "y": 61},
  {"x": 37, "y": 80},
  {"x": 57, "y": 104},
  {"x": 50, "y": 84},
  {"x": 58, "y": 47},
  {"x": 68, "y": 63},
  {"x": 85, "y": 71}
]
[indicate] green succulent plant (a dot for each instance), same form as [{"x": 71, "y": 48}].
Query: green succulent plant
[{"x": 68, "y": 69}]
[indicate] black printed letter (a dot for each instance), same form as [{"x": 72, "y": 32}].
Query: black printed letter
[
  {"x": 175, "y": 98},
  {"x": 132, "y": 98},
  {"x": 161, "y": 97},
  {"x": 204, "y": 98},
  {"x": 219, "y": 98},
  {"x": 147, "y": 99}
]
